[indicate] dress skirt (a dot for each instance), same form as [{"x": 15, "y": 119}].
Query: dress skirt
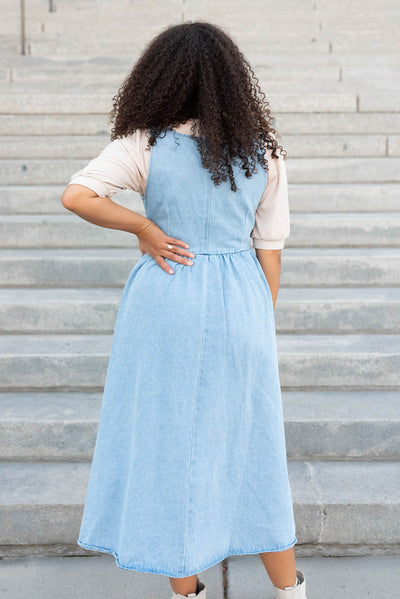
[{"x": 190, "y": 462}]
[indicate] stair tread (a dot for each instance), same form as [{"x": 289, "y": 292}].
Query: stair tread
[
  {"x": 20, "y": 295},
  {"x": 319, "y": 482},
  {"x": 298, "y": 406},
  {"x": 256, "y": 58},
  {"x": 99, "y": 344}
]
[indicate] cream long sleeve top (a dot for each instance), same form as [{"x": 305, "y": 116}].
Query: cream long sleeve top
[{"x": 124, "y": 164}]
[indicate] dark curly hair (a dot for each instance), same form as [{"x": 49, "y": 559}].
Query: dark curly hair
[{"x": 194, "y": 70}]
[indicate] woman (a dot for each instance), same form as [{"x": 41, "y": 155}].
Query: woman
[{"x": 190, "y": 463}]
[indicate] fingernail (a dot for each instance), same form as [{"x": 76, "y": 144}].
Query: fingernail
[
  {"x": 190, "y": 262},
  {"x": 192, "y": 255},
  {"x": 171, "y": 272},
  {"x": 186, "y": 245}
]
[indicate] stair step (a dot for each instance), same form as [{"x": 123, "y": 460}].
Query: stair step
[
  {"x": 58, "y": 146},
  {"x": 74, "y": 73},
  {"x": 279, "y": 89},
  {"x": 67, "y": 268},
  {"x": 122, "y": 63},
  {"x": 300, "y": 124},
  {"x": 298, "y": 310},
  {"x": 267, "y": 74},
  {"x": 342, "y": 95},
  {"x": 333, "y": 267},
  {"x": 52, "y": 361},
  {"x": 286, "y": 44},
  {"x": 344, "y": 230},
  {"x": 331, "y": 425},
  {"x": 303, "y": 267},
  {"x": 340, "y": 170},
  {"x": 345, "y": 197},
  {"x": 308, "y": 124},
  {"x": 347, "y": 362},
  {"x": 66, "y": 310},
  {"x": 61, "y": 231},
  {"x": 376, "y": 102},
  {"x": 304, "y": 197},
  {"x": 335, "y": 503},
  {"x": 299, "y": 170},
  {"x": 79, "y": 362},
  {"x": 67, "y": 124},
  {"x": 307, "y": 230},
  {"x": 338, "y": 146},
  {"x": 297, "y": 146},
  {"x": 371, "y": 45},
  {"x": 93, "y": 50},
  {"x": 46, "y": 199},
  {"x": 48, "y": 426},
  {"x": 319, "y": 425},
  {"x": 338, "y": 310},
  {"x": 80, "y": 103}
]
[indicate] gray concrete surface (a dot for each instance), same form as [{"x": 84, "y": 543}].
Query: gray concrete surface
[
  {"x": 326, "y": 578},
  {"x": 347, "y": 361},
  {"x": 306, "y": 310},
  {"x": 319, "y": 425},
  {"x": 88, "y": 578},
  {"x": 69, "y": 231},
  {"x": 300, "y": 170},
  {"x": 318, "y": 145},
  {"x": 100, "y": 267},
  {"x": 368, "y": 577},
  {"x": 336, "y": 503},
  {"x": 317, "y": 198}
]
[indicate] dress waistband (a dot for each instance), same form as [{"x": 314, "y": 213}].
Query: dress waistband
[{"x": 196, "y": 251}]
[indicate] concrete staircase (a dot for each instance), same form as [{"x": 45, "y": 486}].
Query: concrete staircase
[{"x": 330, "y": 71}]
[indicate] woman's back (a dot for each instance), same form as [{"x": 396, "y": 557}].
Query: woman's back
[
  {"x": 182, "y": 199},
  {"x": 180, "y": 196}
]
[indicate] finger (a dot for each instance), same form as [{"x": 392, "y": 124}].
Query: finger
[
  {"x": 178, "y": 242},
  {"x": 178, "y": 258},
  {"x": 164, "y": 265},
  {"x": 181, "y": 252}
]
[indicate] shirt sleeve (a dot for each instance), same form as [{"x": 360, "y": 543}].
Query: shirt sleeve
[
  {"x": 123, "y": 164},
  {"x": 272, "y": 217}
]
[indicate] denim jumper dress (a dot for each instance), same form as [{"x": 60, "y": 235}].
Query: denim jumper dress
[{"x": 190, "y": 463}]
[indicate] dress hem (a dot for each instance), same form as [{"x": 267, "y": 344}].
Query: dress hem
[{"x": 145, "y": 567}]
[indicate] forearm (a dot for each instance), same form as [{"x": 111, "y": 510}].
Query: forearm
[
  {"x": 102, "y": 211},
  {"x": 270, "y": 261}
]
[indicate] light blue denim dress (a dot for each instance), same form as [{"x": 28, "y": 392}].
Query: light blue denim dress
[{"x": 190, "y": 462}]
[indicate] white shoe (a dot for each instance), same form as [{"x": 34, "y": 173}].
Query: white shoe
[
  {"x": 299, "y": 591},
  {"x": 200, "y": 594}
]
